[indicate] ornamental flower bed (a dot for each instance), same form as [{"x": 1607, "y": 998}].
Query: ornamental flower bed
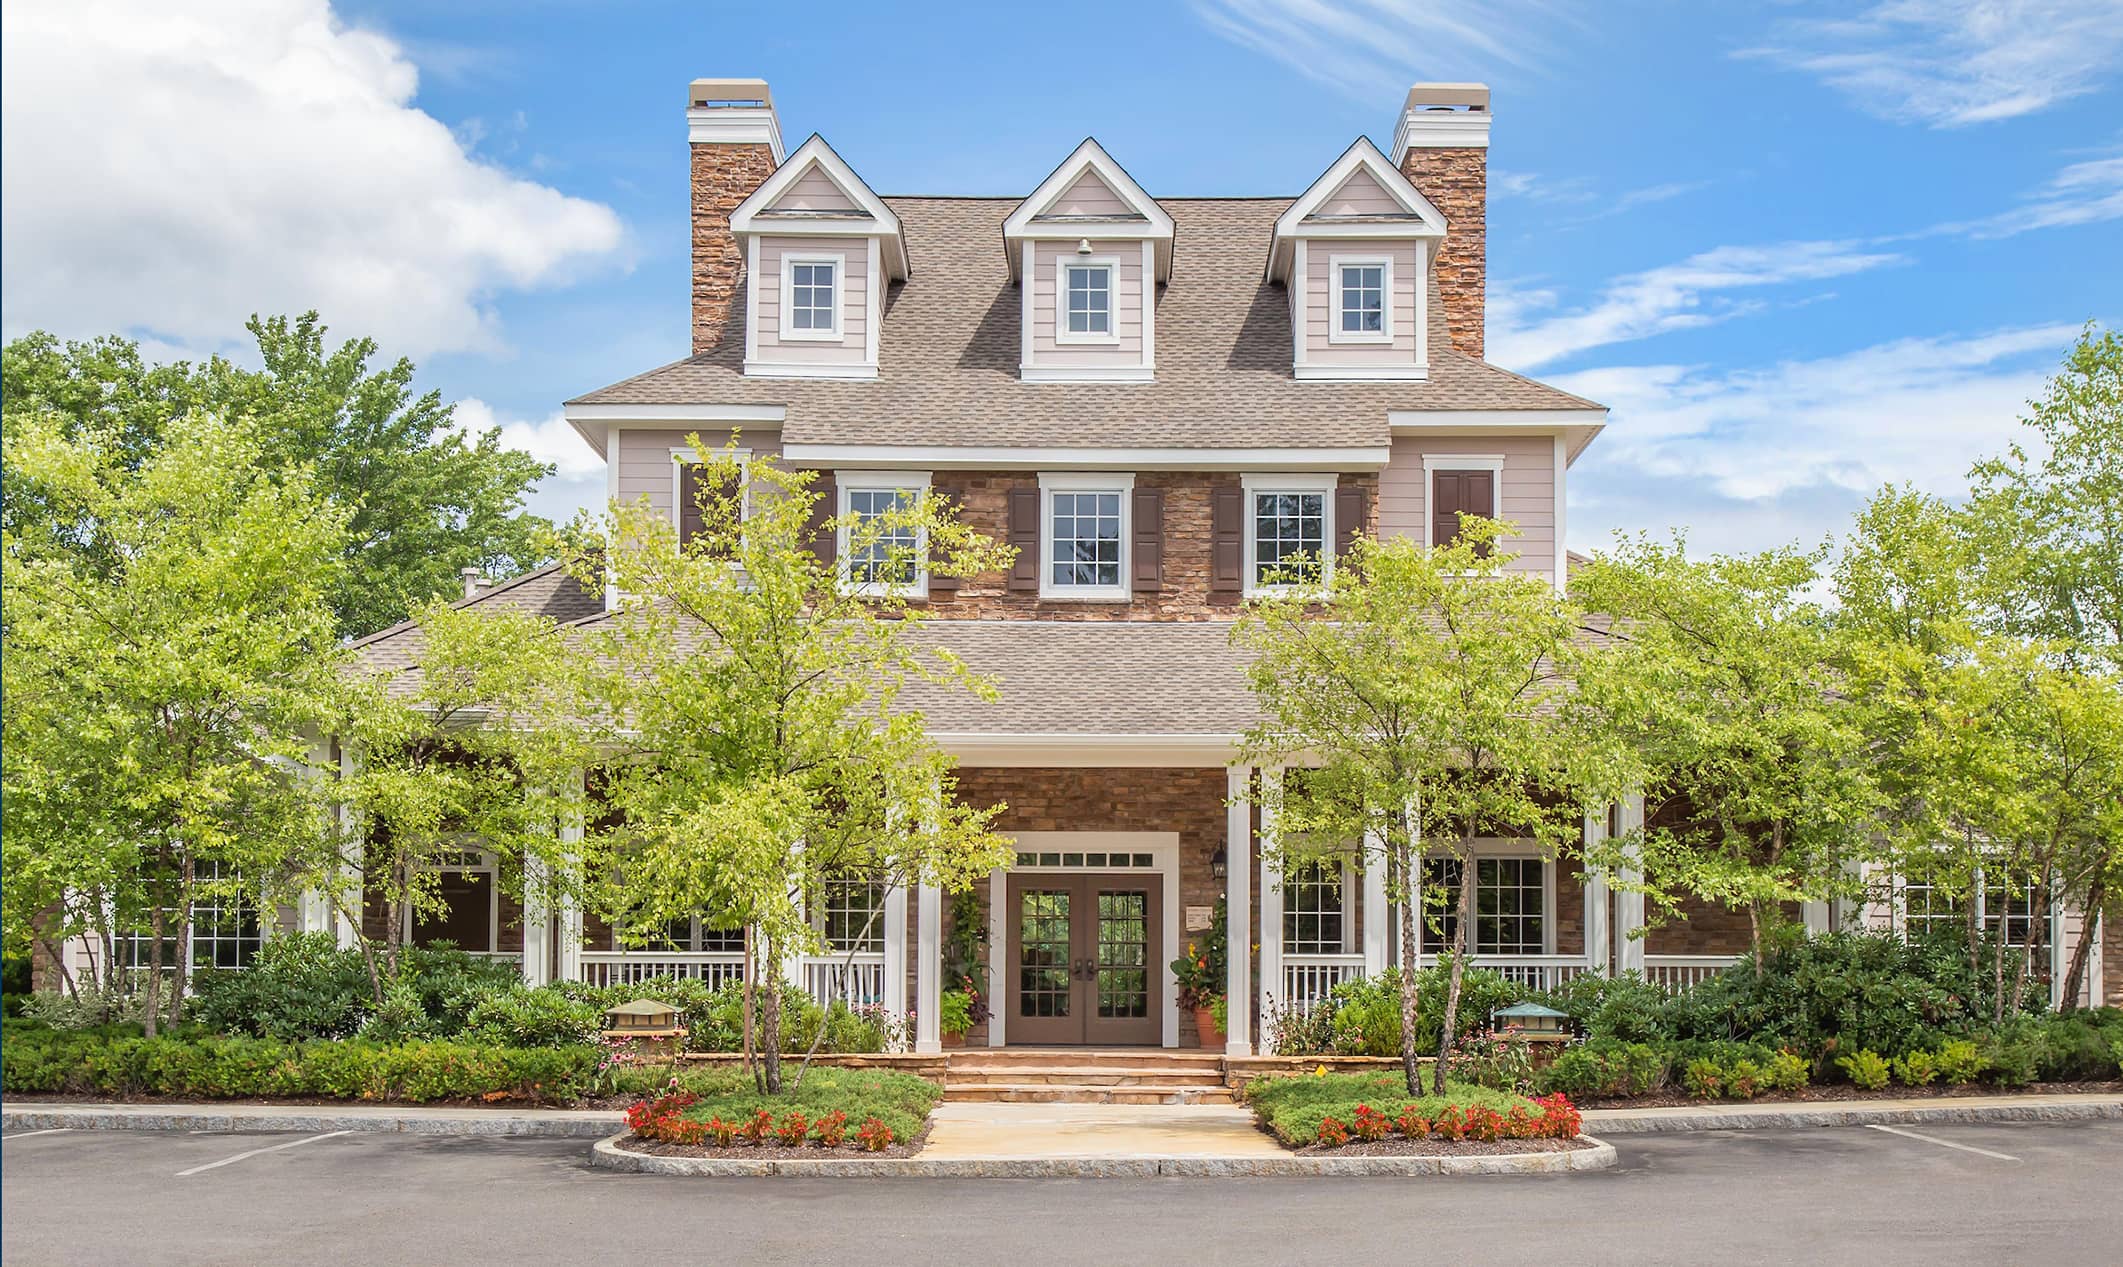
[
  {"x": 844, "y": 1110},
  {"x": 1372, "y": 1114}
]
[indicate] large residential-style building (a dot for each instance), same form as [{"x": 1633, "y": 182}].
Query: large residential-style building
[{"x": 1154, "y": 398}]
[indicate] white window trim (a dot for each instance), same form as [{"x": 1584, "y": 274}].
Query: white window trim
[
  {"x": 1323, "y": 484},
  {"x": 1335, "y": 265},
  {"x": 1435, "y": 462},
  {"x": 1349, "y": 891},
  {"x": 489, "y": 867},
  {"x": 847, "y": 483},
  {"x": 1062, "y": 333},
  {"x": 789, "y": 261},
  {"x": 1487, "y": 847},
  {"x": 1051, "y": 482},
  {"x": 682, "y": 455}
]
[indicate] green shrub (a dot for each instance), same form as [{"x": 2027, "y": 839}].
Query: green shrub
[
  {"x": 2015, "y": 1054},
  {"x": 1363, "y": 1017},
  {"x": 1866, "y": 1069},
  {"x": 1704, "y": 1078},
  {"x": 298, "y": 985},
  {"x": 1604, "y": 1069},
  {"x": 90, "y": 1007},
  {"x": 1785, "y": 1071},
  {"x": 1916, "y": 1069},
  {"x": 1959, "y": 1061},
  {"x": 1627, "y": 1008},
  {"x": 2081, "y": 1046},
  {"x": 531, "y": 1018}
]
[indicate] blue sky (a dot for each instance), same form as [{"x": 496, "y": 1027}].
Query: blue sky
[{"x": 1800, "y": 249}]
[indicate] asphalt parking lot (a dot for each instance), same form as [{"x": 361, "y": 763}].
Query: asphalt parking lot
[{"x": 2006, "y": 1193}]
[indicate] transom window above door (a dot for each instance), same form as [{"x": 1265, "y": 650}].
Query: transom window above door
[
  {"x": 810, "y": 295},
  {"x": 1290, "y": 531},
  {"x": 1085, "y": 550},
  {"x": 1361, "y": 290},
  {"x": 1087, "y": 302}
]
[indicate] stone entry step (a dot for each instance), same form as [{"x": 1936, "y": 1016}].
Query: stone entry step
[{"x": 1085, "y": 1076}]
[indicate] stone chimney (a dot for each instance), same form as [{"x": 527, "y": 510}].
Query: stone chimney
[
  {"x": 736, "y": 144},
  {"x": 1442, "y": 145}
]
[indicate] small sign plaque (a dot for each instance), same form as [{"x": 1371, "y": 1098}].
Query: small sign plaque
[{"x": 1199, "y": 917}]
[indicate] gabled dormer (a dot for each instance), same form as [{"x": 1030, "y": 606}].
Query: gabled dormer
[
  {"x": 1354, "y": 252},
  {"x": 820, "y": 248},
  {"x": 1088, "y": 250}
]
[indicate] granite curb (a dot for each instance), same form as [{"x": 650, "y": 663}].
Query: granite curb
[
  {"x": 608, "y": 1155},
  {"x": 558, "y": 1124},
  {"x": 1654, "y": 1121}
]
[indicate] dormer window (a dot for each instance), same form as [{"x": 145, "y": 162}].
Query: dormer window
[
  {"x": 1363, "y": 314},
  {"x": 810, "y": 293},
  {"x": 1087, "y": 302}
]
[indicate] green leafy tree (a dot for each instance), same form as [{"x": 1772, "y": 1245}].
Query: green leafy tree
[
  {"x": 1415, "y": 695},
  {"x": 419, "y": 499},
  {"x": 763, "y": 746},
  {"x": 2050, "y": 514},
  {"x": 1723, "y": 690},
  {"x": 167, "y": 640},
  {"x": 478, "y": 744}
]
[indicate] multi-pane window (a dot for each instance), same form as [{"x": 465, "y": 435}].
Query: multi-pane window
[
  {"x": 1084, "y": 540},
  {"x": 1087, "y": 299},
  {"x": 226, "y": 931},
  {"x": 813, "y": 307},
  {"x": 1313, "y": 920},
  {"x": 1363, "y": 300},
  {"x": 2002, "y": 909},
  {"x": 1510, "y": 905},
  {"x": 695, "y": 934},
  {"x": 852, "y": 914},
  {"x": 878, "y": 553},
  {"x": 1289, "y": 536}
]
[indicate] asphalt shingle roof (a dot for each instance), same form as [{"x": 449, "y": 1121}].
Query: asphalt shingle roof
[{"x": 948, "y": 356}]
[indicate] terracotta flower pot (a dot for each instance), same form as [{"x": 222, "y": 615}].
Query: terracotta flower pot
[
  {"x": 1205, "y": 1025},
  {"x": 954, "y": 1040}
]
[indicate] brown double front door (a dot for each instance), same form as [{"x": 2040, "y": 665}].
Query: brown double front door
[{"x": 1083, "y": 960}]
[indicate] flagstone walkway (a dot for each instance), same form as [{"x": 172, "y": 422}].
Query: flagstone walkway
[{"x": 1095, "y": 1130}]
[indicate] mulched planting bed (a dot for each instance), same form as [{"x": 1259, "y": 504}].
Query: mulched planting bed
[
  {"x": 1843, "y": 1092},
  {"x": 1400, "y": 1147},
  {"x": 772, "y": 1152}
]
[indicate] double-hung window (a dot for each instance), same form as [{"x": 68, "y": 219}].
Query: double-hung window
[
  {"x": 1315, "y": 908},
  {"x": 1510, "y": 905},
  {"x": 1084, "y": 548},
  {"x": 1363, "y": 290},
  {"x": 852, "y": 915},
  {"x": 881, "y": 548},
  {"x": 1289, "y": 531},
  {"x": 1086, "y": 309},
  {"x": 810, "y": 296}
]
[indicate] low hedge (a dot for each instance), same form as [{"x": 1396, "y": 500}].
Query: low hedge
[
  {"x": 35, "y": 1060},
  {"x": 1292, "y": 1108}
]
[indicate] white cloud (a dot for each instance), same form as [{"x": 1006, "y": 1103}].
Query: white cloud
[
  {"x": 1372, "y": 50},
  {"x": 578, "y": 479},
  {"x": 1951, "y": 63},
  {"x": 2083, "y": 193},
  {"x": 1762, "y": 456},
  {"x": 1525, "y": 332},
  {"x": 171, "y": 169}
]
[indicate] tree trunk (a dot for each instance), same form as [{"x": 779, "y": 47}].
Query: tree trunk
[
  {"x": 1402, "y": 867},
  {"x": 770, "y": 1028},
  {"x": 152, "y": 1011},
  {"x": 183, "y": 941},
  {"x": 1459, "y": 962},
  {"x": 2037, "y": 917},
  {"x": 1754, "y": 933},
  {"x": 750, "y": 993},
  {"x": 2090, "y": 912}
]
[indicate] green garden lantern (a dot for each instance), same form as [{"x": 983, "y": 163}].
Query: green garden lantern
[{"x": 1533, "y": 1022}]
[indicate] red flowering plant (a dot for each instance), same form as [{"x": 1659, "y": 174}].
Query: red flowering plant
[
  {"x": 1370, "y": 1124},
  {"x": 724, "y": 1133},
  {"x": 1560, "y": 1119},
  {"x": 794, "y": 1127},
  {"x": 659, "y": 1118},
  {"x": 1333, "y": 1132},
  {"x": 1412, "y": 1124},
  {"x": 757, "y": 1127},
  {"x": 831, "y": 1129},
  {"x": 874, "y": 1135}
]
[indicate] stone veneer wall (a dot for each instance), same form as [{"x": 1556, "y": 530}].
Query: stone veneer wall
[
  {"x": 1456, "y": 179},
  {"x": 723, "y": 176},
  {"x": 984, "y": 501}
]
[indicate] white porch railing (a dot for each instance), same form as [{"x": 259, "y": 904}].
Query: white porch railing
[
  {"x": 630, "y": 967},
  {"x": 855, "y": 980},
  {"x": 1539, "y": 972},
  {"x": 1676, "y": 973},
  {"x": 1309, "y": 978}
]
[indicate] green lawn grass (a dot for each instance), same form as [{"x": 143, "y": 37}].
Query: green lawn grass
[{"x": 1292, "y": 1107}]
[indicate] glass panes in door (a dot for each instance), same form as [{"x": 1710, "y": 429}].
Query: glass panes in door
[
  {"x": 1043, "y": 979},
  {"x": 1123, "y": 954}
]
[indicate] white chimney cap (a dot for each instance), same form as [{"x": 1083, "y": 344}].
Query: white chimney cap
[
  {"x": 733, "y": 112},
  {"x": 1442, "y": 116}
]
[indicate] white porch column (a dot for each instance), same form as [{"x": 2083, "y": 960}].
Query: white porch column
[
  {"x": 350, "y": 872},
  {"x": 998, "y": 951},
  {"x": 1814, "y": 915},
  {"x": 1596, "y": 897},
  {"x": 896, "y": 950},
  {"x": 1378, "y": 919},
  {"x": 2096, "y": 928},
  {"x": 537, "y": 924},
  {"x": 2058, "y": 963},
  {"x": 929, "y": 969},
  {"x": 1238, "y": 910},
  {"x": 1629, "y": 902},
  {"x": 567, "y": 912},
  {"x": 1271, "y": 936}
]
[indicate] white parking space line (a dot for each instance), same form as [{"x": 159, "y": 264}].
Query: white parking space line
[
  {"x": 56, "y": 1130},
  {"x": 1943, "y": 1143},
  {"x": 229, "y": 1161}
]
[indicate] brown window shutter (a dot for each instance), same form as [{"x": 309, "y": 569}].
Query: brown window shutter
[
  {"x": 689, "y": 490},
  {"x": 825, "y": 541},
  {"x": 1024, "y": 534},
  {"x": 1349, "y": 506},
  {"x": 1480, "y": 491},
  {"x": 1148, "y": 547},
  {"x": 1227, "y": 543},
  {"x": 1459, "y": 493}
]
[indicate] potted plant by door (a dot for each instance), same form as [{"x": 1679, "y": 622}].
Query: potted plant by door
[
  {"x": 1199, "y": 974},
  {"x": 954, "y": 1016}
]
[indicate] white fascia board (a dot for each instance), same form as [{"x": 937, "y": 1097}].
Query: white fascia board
[
  {"x": 754, "y": 414},
  {"x": 1361, "y": 154},
  {"x": 813, "y": 153},
  {"x": 1091, "y": 156},
  {"x": 1110, "y": 750},
  {"x": 735, "y": 125},
  {"x": 1578, "y": 427},
  {"x": 963, "y": 458}
]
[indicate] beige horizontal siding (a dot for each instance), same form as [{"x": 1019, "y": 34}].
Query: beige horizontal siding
[
  {"x": 645, "y": 457},
  {"x": 1525, "y": 493},
  {"x": 854, "y": 301},
  {"x": 1047, "y": 258},
  {"x": 1323, "y": 303}
]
